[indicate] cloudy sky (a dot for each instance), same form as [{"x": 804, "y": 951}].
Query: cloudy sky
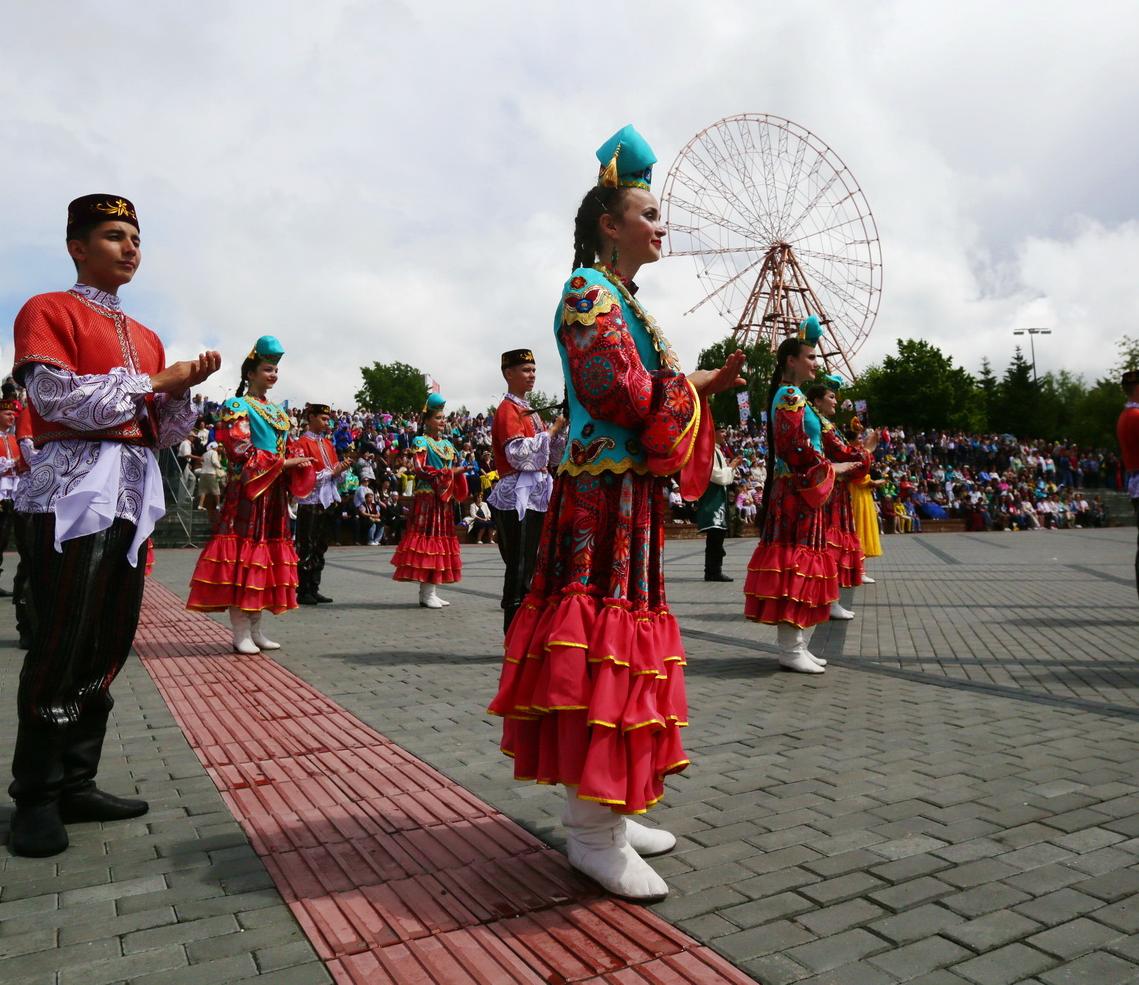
[{"x": 378, "y": 180}]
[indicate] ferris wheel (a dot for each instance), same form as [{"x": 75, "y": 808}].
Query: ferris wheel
[{"x": 779, "y": 229}]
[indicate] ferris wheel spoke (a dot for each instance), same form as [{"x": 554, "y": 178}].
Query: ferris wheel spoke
[
  {"x": 833, "y": 227},
  {"x": 716, "y": 220},
  {"x": 793, "y": 184},
  {"x": 730, "y": 282},
  {"x": 838, "y": 290},
  {"x": 813, "y": 203},
  {"x": 729, "y": 197},
  {"x": 733, "y": 196},
  {"x": 836, "y": 258},
  {"x": 743, "y": 172}
]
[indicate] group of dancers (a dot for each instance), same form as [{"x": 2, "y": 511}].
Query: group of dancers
[{"x": 592, "y": 691}]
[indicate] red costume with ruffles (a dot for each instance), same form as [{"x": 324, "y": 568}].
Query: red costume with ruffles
[
  {"x": 842, "y": 537},
  {"x": 792, "y": 576},
  {"x": 592, "y": 684},
  {"x": 428, "y": 551},
  {"x": 250, "y": 562}
]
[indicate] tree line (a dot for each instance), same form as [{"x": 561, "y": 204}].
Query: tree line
[{"x": 921, "y": 389}]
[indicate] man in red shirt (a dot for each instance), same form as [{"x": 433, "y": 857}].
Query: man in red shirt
[
  {"x": 317, "y": 512},
  {"x": 523, "y": 454},
  {"x": 1127, "y": 431},
  {"x": 101, "y": 402}
]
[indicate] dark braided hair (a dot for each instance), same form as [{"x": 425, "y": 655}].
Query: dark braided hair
[
  {"x": 247, "y": 367},
  {"x": 587, "y": 244},
  {"x": 788, "y": 349}
]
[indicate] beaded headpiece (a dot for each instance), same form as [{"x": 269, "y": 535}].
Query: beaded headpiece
[
  {"x": 267, "y": 349},
  {"x": 626, "y": 160},
  {"x": 810, "y": 330},
  {"x": 435, "y": 401}
]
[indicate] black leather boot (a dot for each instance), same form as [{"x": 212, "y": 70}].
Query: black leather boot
[
  {"x": 80, "y": 799},
  {"x": 37, "y": 829}
]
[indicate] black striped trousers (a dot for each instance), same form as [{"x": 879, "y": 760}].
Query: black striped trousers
[{"x": 85, "y": 603}]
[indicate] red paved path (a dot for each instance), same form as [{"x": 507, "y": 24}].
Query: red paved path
[{"x": 396, "y": 873}]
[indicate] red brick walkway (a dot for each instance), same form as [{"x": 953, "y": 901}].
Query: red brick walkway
[{"x": 396, "y": 873}]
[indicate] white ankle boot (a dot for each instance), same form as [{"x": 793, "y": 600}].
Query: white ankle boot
[
  {"x": 427, "y": 597},
  {"x": 838, "y": 612},
  {"x": 596, "y": 845},
  {"x": 242, "y": 637},
  {"x": 793, "y": 652},
  {"x": 646, "y": 841},
  {"x": 439, "y": 598},
  {"x": 259, "y": 638},
  {"x": 867, "y": 580}
]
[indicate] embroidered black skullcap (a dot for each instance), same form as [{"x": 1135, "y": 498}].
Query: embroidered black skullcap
[
  {"x": 311, "y": 409},
  {"x": 516, "y": 357},
  {"x": 89, "y": 210}
]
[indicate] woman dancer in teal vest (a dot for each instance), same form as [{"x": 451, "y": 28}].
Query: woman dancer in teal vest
[
  {"x": 592, "y": 686},
  {"x": 250, "y": 563},
  {"x": 792, "y": 577}
]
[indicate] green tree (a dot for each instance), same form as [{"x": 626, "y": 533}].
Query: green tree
[
  {"x": 1128, "y": 356},
  {"x": 987, "y": 383},
  {"x": 394, "y": 387},
  {"x": 1018, "y": 400},
  {"x": 760, "y": 365},
  {"x": 921, "y": 389}
]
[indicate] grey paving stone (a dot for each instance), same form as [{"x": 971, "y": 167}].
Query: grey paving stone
[
  {"x": 838, "y": 949},
  {"x": 1058, "y": 907},
  {"x": 912, "y": 893},
  {"x": 1123, "y": 916},
  {"x": 842, "y": 887},
  {"x": 1012, "y": 963},
  {"x": 760, "y": 911},
  {"x": 778, "y": 936},
  {"x": 841, "y": 916},
  {"x": 992, "y": 930},
  {"x": 920, "y": 957},
  {"x": 985, "y": 899},
  {"x": 912, "y": 925},
  {"x": 1070, "y": 940},
  {"x": 1112, "y": 885},
  {"x": 774, "y": 969},
  {"x": 1093, "y": 969}
]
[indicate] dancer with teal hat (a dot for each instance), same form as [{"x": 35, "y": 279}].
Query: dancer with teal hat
[
  {"x": 429, "y": 552},
  {"x": 250, "y": 563},
  {"x": 792, "y": 577},
  {"x": 842, "y": 537},
  {"x": 592, "y": 684}
]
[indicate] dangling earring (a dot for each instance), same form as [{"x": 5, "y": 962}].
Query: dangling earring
[{"x": 613, "y": 259}]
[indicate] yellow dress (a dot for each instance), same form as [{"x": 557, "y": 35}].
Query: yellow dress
[{"x": 865, "y": 517}]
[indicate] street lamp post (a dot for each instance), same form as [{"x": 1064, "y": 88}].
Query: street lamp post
[{"x": 1032, "y": 333}]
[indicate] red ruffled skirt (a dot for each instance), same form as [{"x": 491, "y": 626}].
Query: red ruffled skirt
[
  {"x": 250, "y": 562},
  {"x": 842, "y": 538},
  {"x": 792, "y": 576},
  {"x": 429, "y": 550},
  {"x": 592, "y": 684}
]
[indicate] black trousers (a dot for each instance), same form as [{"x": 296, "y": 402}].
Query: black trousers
[
  {"x": 1135, "y": 503},
  {"x": 7, "y": 521},
  {"x": 24, "y": 614},
  {"x": 714, "y": 552},
  {"x": 518, "y": 545},
  {"x": 314, "y": 528},
  {"x": 85, "y": 602}
]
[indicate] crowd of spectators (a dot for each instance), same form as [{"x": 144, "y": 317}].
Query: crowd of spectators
[
  {"x": 375, "y": 494},
  {"x": 991, "y": 482}
]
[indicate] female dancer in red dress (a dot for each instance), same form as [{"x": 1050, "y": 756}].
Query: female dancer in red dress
[
  {"x": 592, "y": 686},
  {"x": 792, "y": 576},
  {"x": 842, "y": 538},
  {"x": 250, "y": 563},
  {"x": 428, "y": 552}
]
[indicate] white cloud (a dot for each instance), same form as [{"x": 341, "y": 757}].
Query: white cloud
[{"x": 388, "y": 181}]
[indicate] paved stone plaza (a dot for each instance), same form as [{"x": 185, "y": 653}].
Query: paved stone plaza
[{"x": 955, "y": 801}]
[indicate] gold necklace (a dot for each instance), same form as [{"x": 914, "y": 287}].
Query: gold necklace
[
  {"x": 660, "y": 341},
  {"x": 273, "y": 415}
]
